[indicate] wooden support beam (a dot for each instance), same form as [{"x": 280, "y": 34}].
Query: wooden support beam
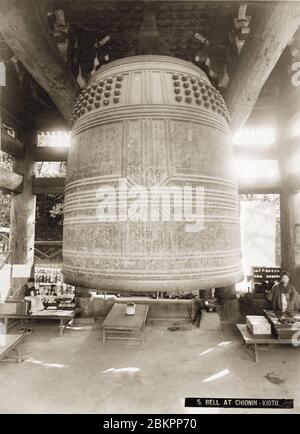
[
  {"x": 11, "y": 146},
  {"x": 290, "y": 194},
  {"x": 48, "y": 185},
  {"x": 270, "y": 33},
  {"x": 24, "y": 30},
  {"x": 260, "y": 152},
  {"x": 51, "y": 153},
  {"x": 22, "y": 217},
  {"x": 59, "y": 153},
  {"x": 256, "y": 186},
  {"x": 260, "y": 186},
  {"x": 50, "y": 120},
  {"x": 290, "y": 234},
  {"x": 48, "y": 243},
  {"x": 13, "y": 102},
  {"x": 10, "y": 181}
]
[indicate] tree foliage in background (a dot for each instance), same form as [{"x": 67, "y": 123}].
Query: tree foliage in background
[
  {"x": 4, "y": 210},
  {"x": 49, "y": 217},
  {"x": 275, "y": 198},
  {"x": 5, "y": 163},
  {"x": 49, "y": 208}
]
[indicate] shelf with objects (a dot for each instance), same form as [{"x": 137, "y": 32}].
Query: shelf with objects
[
  {"x": 253, "y": 301},
  {"x": 47, "y": 298},
  {"x": 264, "y": 278},
  {"x": 49, "y": 284}
]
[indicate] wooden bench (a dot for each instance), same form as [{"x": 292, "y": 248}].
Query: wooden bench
[
  {"x": 63, "y": 316},
  {"x": 118, "y": 325},
  {"x": 253, "y": 341},
  {"x": 9, "y": 343}
]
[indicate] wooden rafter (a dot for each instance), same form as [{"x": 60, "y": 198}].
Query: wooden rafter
[
  {"x": 11, "y": 146},
  {"x": 48, "y": 185},
  {"x": 262, "y": 152},
  {"x": 24, "y": 30},
  {"x": 246, "y": 186},
  {"x": 270, "y": 34},
  {"x": 51, "y": 153}
]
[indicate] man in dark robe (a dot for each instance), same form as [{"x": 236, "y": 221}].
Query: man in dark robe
[
  {"x": 28, "y": 289},
  {"x": 284, "y": 296}
]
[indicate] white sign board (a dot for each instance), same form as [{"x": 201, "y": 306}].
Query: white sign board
[{"x": 21, "y": 270}]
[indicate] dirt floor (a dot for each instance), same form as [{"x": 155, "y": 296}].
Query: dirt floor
[{"x": 78, "y": 373}]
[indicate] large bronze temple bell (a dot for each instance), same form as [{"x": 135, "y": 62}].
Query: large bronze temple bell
[{"x": 150, "y": 199}]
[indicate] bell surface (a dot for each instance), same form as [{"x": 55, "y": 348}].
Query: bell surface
[{"x": 151, "y": 203}]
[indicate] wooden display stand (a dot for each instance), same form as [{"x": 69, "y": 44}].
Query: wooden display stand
[
  {"x": 63, "y": 316},
  {"x": 118, "y": 325},
  {"x": 253, "y": 341}
]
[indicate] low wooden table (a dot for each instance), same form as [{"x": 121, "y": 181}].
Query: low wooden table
[
  {"x": 253, "y": 341},
  {"x": 281, "y": 330},
  {"x": 9, "y": 343},
  {"x": 118, "y": 325},
  {"x": 63, "y": 316}
]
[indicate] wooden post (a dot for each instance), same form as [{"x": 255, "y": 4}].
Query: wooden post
[
  {"x": 289, "y": 154},
  {"x": 23, "y": 205}
]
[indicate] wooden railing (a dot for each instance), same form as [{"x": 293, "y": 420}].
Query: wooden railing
[
  {"x": 39, "y": 255},
  {"x": 4, "y": 244}
]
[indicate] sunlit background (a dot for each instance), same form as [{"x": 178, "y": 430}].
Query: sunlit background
[{"x": 255, "y": 136}]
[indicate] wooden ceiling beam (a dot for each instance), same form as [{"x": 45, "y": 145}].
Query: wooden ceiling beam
[
  {"x": 260, "y": 185},
  {"x": 25, "y": 32},
  {"x": 246, "y": 186},
  {"x": 10, "y": 181},
  {"x": 11, "y": 146},
  {"x": 13, "y": 110},
  {"x": 270, "y": 33},
  {"x": 59, "y": 153},
  {"x": 50, "y": 120},
  {"x": 48, "y": 185},
  {"x": 262, "y": 152},
  {"x": 51, "y": 153}
]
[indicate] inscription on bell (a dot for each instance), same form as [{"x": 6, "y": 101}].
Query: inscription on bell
[{"x": 163, "y": 128}]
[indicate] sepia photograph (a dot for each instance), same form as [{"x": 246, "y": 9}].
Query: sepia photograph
[{"x": 149, "y": 210}]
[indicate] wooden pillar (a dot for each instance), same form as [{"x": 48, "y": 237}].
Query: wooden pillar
[
  {"x": 289, "y": 163},
  {"x": 23, "y": 205}
]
